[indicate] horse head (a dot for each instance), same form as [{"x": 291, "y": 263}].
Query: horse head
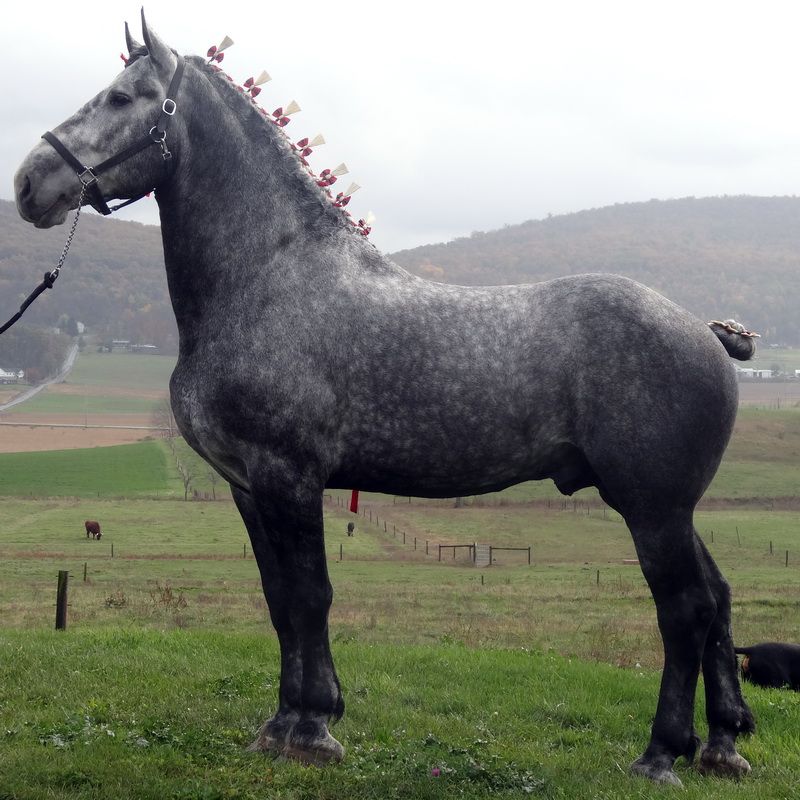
[{"x": 123, "y": 115}]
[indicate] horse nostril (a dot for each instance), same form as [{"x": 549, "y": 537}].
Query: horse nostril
[{"x": 26, "y": 188}]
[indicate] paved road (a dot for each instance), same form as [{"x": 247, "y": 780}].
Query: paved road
[{"x": 34, "y": 390}]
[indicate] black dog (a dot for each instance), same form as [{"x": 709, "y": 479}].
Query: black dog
[{"x": 772, "y": 664}]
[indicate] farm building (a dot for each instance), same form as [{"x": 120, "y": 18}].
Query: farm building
[
  {"x": 11, "y": 377},
  {"x": 754, "y": 374}
]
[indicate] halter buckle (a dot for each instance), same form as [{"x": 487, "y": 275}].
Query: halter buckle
[
  {"x": 171, "y": 109},
  {"x": 87, "y": 177},
  {"x": 160, "y": 138}
]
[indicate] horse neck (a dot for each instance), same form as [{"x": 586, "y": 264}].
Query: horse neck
[{"x": 236, "y": 200}]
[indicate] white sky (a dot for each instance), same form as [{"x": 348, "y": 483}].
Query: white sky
[{"x": 454, "y": 119}]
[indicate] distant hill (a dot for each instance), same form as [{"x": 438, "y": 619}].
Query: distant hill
[
  {"x": 113, "y": 280},
  {"x": 719, "y": 257}
]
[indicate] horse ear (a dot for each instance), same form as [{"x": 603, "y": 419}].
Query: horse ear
[
  {"x": 160, "y": 54},
  {"x": 131, "y": 42}
]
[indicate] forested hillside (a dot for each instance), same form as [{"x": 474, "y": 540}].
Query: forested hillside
[
  {"x": 719, "y": 257},
  {"x": 113, "y": 280}
]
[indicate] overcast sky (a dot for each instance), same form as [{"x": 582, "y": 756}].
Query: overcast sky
[{"x": 457, "y": 116}]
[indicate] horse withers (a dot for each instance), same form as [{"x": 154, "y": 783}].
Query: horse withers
[{"x": 309, "y": 360}]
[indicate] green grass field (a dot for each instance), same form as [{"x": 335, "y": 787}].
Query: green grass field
[
  {"x": 122, "y": 370},
  {"x": 121, "y": 471},
  {"x": 47, "y": 402},
  {"x": 537, "y": 680}
]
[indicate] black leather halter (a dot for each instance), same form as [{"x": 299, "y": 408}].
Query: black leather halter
[{"x": 88, "y": 176}]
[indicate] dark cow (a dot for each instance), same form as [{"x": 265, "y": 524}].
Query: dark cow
[
  {"x": 92, "y": 529},
  {"x": 772, "y": 664}
]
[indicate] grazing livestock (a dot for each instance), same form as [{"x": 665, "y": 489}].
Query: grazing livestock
[
  {"x": 771, "y": 664},
  {"x": 309, "y": 360},
  {"x": 92, "y": 529}
]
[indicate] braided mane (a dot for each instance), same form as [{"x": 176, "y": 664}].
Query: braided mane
[{"x": 298, "y": 170}]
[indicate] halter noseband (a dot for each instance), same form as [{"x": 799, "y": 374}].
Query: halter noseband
[{"x": 88, "y": 176}]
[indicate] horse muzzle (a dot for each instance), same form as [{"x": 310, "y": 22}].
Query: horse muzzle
[{"x": 44, "y": 195}]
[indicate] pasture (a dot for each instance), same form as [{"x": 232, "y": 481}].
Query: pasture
[{"x": 505, "y": 681}]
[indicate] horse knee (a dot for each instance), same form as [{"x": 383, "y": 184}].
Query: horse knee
[{"x": 690, "y": 612}]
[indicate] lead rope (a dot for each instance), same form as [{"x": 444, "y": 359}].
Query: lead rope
[{"x": 49, "y": 277}]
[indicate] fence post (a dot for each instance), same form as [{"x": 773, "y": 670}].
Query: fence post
[
  {"x": 415, "y": 542},
  {"x": 404, "y": 537},
  {"x": 529, "y": 555},
  {"x": 84, "y": 571},
  {"x": 770, "y": 546},
  {"x": 440, "y": 552},
  {"x": 61, "y": 600},
  {"x": 426, "y": 547},
  {"x": 384, "y": 527},
  {"x": 491, "y": 559},
  {"x": 598, "y": 577},
  {"x": 341, "y": 552},
  {"x": 112, "y": 549},
  {"x": 787, "y": 558},
  {"x": 244, "y": 551}
]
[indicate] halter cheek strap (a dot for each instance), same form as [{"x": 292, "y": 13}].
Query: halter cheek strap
[{"x": 89, "y": 176}]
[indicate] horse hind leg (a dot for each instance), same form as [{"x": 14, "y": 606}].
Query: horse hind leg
[
  {"x": 686, "y": 608},
  {"x": 726, "y": 710},
  {"x": 287, "y": 541}
]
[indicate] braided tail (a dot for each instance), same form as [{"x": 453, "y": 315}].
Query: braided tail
[{"x": 736, "y": 339}]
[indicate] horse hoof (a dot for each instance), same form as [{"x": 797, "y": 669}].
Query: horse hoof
[
  {"x": 264, "y": 743},
  {"x": 274, "y": 733},
  {"x": 658, "y": 773},
  {"x": 722, "y": 762},
  {"x": 315, "y": 754}
]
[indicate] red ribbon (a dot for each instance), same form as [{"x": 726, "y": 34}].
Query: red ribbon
[
  {"x": 341, "y": 200},
  {"x": 255, "y": 91},
  {"x": 326, "y": 178},
  {"x": 280, "y": 118},
  {"x": 213, "y": 55},
  {"x": 354, "y": 501}
]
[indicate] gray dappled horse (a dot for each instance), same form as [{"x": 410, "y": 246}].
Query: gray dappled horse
[{"x": 309, "y": 360}]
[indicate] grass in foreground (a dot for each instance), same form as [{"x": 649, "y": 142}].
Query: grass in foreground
[{"x": 145, "y": 715}]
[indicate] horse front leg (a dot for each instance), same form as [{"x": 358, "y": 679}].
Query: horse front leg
[
  {"x": 286, "y": 533},
  {"x": 726, "y": 709}
]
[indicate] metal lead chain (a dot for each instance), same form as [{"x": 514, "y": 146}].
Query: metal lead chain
[{"x": 55, "y": 271}]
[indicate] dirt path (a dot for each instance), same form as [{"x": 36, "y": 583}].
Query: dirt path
[{"x": 34, "y": 390}]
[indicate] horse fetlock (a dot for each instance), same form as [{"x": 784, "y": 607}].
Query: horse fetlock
[
  {"x": 311, "y": 742},
  {"x": 722, "y": 760},
  {"x": 275, "y": 732}
]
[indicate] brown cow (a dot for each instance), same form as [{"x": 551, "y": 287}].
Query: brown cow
[{"x": 92, "y": 529}]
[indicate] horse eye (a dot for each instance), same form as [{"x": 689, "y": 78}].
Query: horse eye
[{"x": 117, "y": 99}]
